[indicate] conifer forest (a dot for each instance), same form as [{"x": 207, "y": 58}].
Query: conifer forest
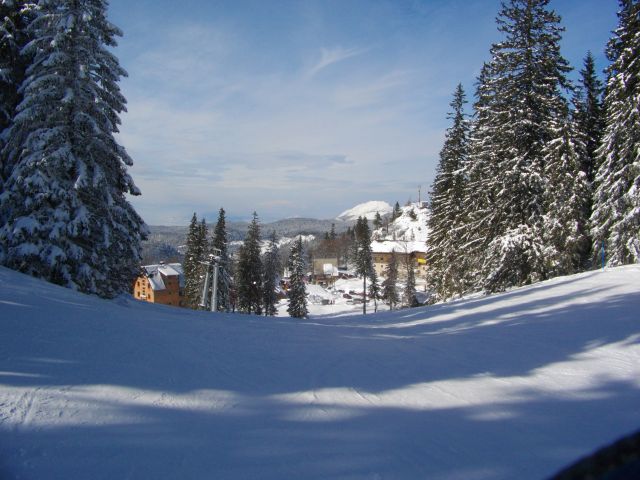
[{"x": 539, "y": 175}]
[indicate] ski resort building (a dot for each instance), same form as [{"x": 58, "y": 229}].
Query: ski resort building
[
  {"x": 407, "y": 253},
  {"x": 325, "y": 271},
  {"x": 161, "y": 283}
]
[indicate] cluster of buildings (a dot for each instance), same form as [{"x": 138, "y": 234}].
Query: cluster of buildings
[
  {"x": 164, "y": 283},
  {"x": 409, "y": 254}
]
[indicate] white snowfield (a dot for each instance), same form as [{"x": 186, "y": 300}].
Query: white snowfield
[
  {"x": 367, "y": 210},
  {"x": 510, "y": 386}
]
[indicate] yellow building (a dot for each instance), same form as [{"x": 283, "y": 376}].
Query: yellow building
[
  {"x": 161, "y": 283},
  {"x": 407, "y": 253}
]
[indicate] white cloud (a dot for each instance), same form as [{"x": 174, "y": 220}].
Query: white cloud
[
  {"x": 331, "y": 56},
  {"x": 207, "y": 131}
]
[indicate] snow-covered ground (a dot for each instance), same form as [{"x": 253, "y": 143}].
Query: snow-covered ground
[
  {"x": 510, "y": 386},
  {"x": 367, "y": 210},
  {"x": 410, "y": 226},
  {"x": 266, "y": 243}
]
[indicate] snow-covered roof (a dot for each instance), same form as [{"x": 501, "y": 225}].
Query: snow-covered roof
[
  {"x": 399, "y": 246},
  {"x": 155, "y": 274}
]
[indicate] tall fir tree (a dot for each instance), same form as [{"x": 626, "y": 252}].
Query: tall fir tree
[
  {"x": 363, "y": 257},
  {"x": 447, "y": 213},
  {"x": 65, "y": 216},
  {"x": 589, "y": 114},
  {"x": 566, "y": 229},
  {"x": 190, "y": 266},
  {"x": 374, "y": 289},
  {"x": 297, "y": 288},
  {"x": 520, "y": 98},
  {"x": 14, "y": 18},
  {"x": 389, "y": 284},
  {"x": 409, "y": 293},
  {"x": 616, "y": 210},
  {"x": 397, "y": 211},
  {"x": 249, "y": 271},
  {"x": 377, "y": 221},
  {"x": 220, "y": 247},
  {"x": 194, "y": 267},
  {"x": 271, "y": 277}
]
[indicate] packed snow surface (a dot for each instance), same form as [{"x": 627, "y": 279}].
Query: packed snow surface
[
  {"x": 367, "y": 210},
  {"x": 515, "y": 385}
]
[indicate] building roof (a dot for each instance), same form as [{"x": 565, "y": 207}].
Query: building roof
[
  {"x": 155, "y": 274},
  {"x": 399, "y": 246}
]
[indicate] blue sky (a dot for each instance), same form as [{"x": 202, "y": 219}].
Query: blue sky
[{"x": 303, "y": 108}]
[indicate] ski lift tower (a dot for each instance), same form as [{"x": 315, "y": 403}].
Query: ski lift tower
[{"x": 212, "y": 264}]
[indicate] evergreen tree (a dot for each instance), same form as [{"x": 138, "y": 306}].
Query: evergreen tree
[
  {"x": 566, "y": 221},
  {"x": 397, "y": 212},
  {"x": 589, "y": 114},
  {"x": 249, "y": 281},
  {"x": 377, "y": 221},
  {"x": 374, "y": 289},
  {"x": 219, "y": 246},
  {"x": 519, "y": 101},
  {"x": 14, "y": 18},
  {"x": 297, "y": 288},
  {"x": 389, "y": 288},
  {"x": 362, "y": 255},
  {"x": 476, "y": 232},
  {"x": 447, "y": 213},
  {"x": 409, "y": 295},
  {"x": 271, "y": 277},
  {"x": 616, "y": 212},
  {"x": 64, "y": 214},
  {"x": 192, "y": 266}
]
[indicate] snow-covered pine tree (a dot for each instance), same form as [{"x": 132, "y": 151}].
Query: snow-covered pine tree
[
  {"x": 481, "y": 224},
  {"x": 568, "y": 195},
  {"x": 409, "y": 293},
  {"x": 219, "y": 245},
  {"x": 616, "y": 210},
  {"x": 194, "y": 269},
  {"x": 447, "y": 214},
  {"x": 362, "y": 255},
  {"x": 14, "y": 18},
  {"x": 64, "y": 212},
  {"x": 249, "y": 272},
  {"x": 397, "y": 211},
  {"x": 271, "y": 276},
  {"x": 297, "y": 287},
  {"x": 190, "y": 265},
  {"x": 389, "y": 288},
  {"x": 589, "y": 114},
  {"x": 377, "y": 221},
  {"x": 374, "y": 289},
  {"x": 519, "y": 101}
]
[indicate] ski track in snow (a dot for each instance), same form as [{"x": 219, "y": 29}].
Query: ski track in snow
[{"x": 515, "y": 385}]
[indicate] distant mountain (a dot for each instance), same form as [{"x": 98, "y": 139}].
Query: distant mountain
[
  {"x": 290, "y": 227},
  {"x": 367, "y": 210},
  {"x": 166, "y": 243}
]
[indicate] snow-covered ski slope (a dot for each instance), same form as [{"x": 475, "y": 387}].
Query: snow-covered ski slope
[{"x": 510, "y": 386}]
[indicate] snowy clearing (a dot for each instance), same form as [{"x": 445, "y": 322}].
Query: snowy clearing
[{"x": 510, "y": 386}]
